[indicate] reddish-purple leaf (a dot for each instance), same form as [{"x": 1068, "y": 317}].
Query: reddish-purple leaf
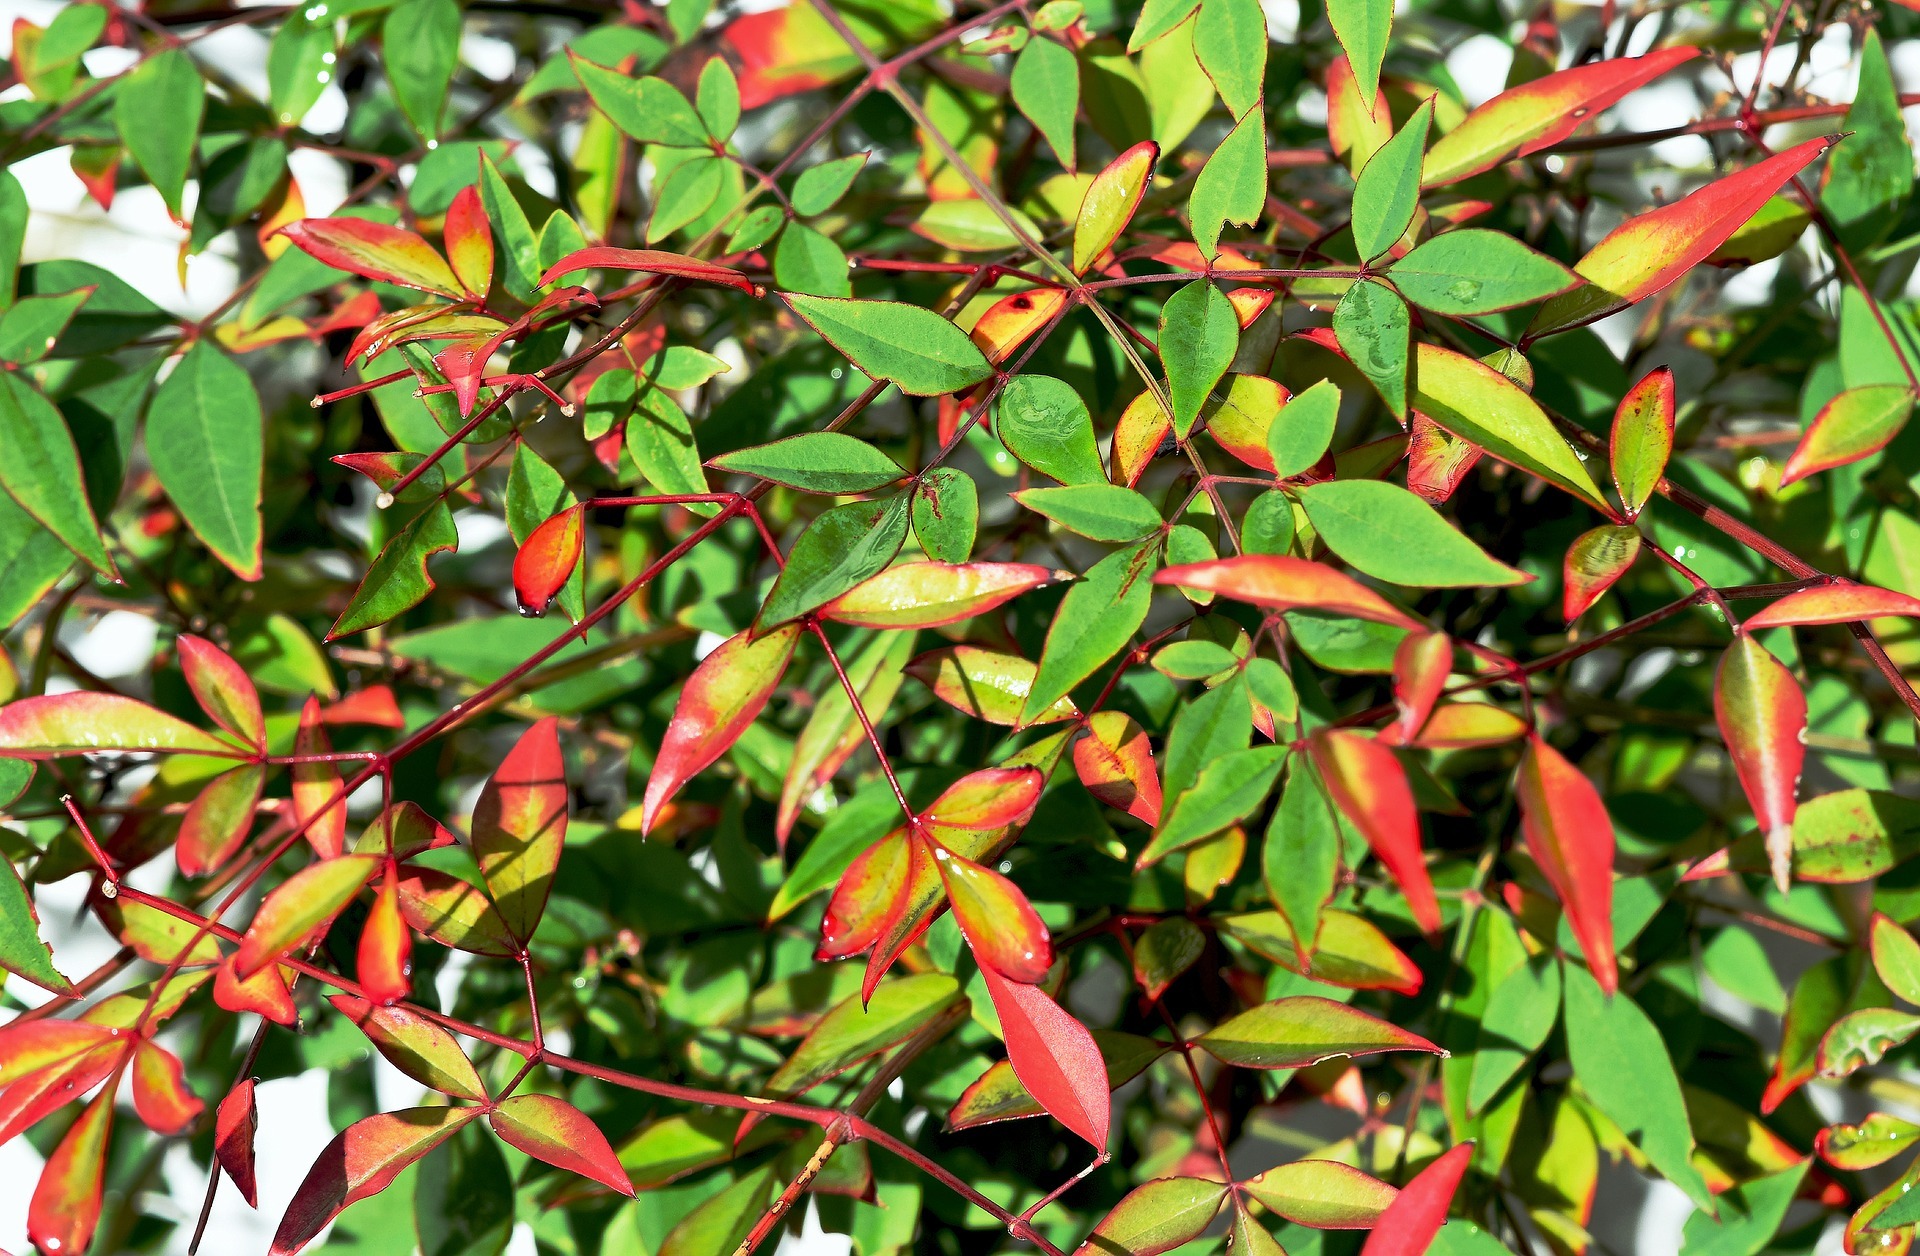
[
  {"x": 319, "y": 796},
  {"x": 66, "y": 1202},
  {"x": 1369, "y": 785},
  {"x": 385, "y": 957},
  {"x": 57, "y": 724},
  {"x": 999, "y": 923},
  {"x": 724, "y": 695},
  {"x": 1416, "y": 1214},
  {"x": 865, "y": 898},
  {"x": 223, "y": 690},
  {"x": 374, "y": 251},
  {"x": 1570, "y": 836},
  {"x": 990, "y": 799},
  {"x": 520, "y": 824},
  {"x": 1834, "y": 604},
  {"x": 469, "y": 240},
  {"x": 1054, "y": 1057},
  {"x": 1763, "y": 716},
  {"x": 160, "y": 1093},
  {"x": 653, "y": 262},
  {"x": 554, "y": 1131},
  {"x": 362, "y": 1161},
  {"x": 547, "y": 558},
  {"x": 233, "y": 1127}
]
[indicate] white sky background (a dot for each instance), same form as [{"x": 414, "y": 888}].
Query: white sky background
[{"x": 137, "y": 241}]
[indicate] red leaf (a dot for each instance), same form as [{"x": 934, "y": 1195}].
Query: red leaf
[
  {"x": 1006, "y": 934},
  {"x": 385, "y": 959},
  {"x": 1421, "y": 663},
  {"x": 469, "y": 240},
  {"x": 1369, "y": 786},
  {"x": 265, "y": 993},
  {"x": 66, "y": 1202},
  {"x": 556, "y": 1132},
  {"x": 233, "y": 1127},
  {"x": 653, "y": 262},
  {"x": 1570, "y": 836},
  {"x": 160, "y": 1093},
  {"x": 27, "y": 1047},
  {"x": 32, "y": 1097},
  {"x": 547, "y": 559},
  {"x": 520, "y": 824},
  {"x": 913, "y": 907},
  {"x": 1834, "y": 604},
  {"x": 373, "y": 705},
  {"x": 1595, "y": 562},
  {"x": 374, "y": 251},
  {"x": 934, "y": 594},
  {"x": 1115, "y": 762},
  {"x": 1416, "y": 1214},
  {"x": 1054, "y": 1057},
  {"x": 724, "y": 695},
  {"x": 319, "y": 796},
  {"x": 1763, "y": 717},
  {"x": 223, "y": 691},
  {"x": 865, "y": 897},
  {"x": 362, "y": 1161},
  {"x": 1281, "y": 583},
  {"x": 1437, "y": 460}
]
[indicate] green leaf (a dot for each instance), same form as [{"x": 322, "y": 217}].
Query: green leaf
[
  {"x": 1099, "y": 512},
  {"x": 688, "y": 192},
  {"x": 40, "y": 469},
  {"x": 1156, "y": 1217},
  {"x": 513, "y": 235},
  {"x": 1213, "y": 725},
  {"x": 855, "y": 1030},
  {"x": 946, "y": 514},
  {"x": 13, "y": 233},
  {"x": 1304, "y": 1029},
  {"x": 757, "y": 228},
  {"x": 206, "y": 440},
  {"x": 815, "y": 462},
  {"x": 1199, "y": 334},
  {"x": 1739, "y": 965},
  {"x": 915, "y": 349},
  {"x": 1387, "y": 190},
  {"x": 1620, "y": 1060},
  {"x": 717, "y": 99},
  {"x": 21, "y": 950},
  {"x": 398, "y": 580},
  {"x": 1375, "y": 330},
  {"x": 810, "y": 262},
  {"x": 1300, "y": 860},
  {"x": 1043, "y": 422},
  {"x": 463, "y": 1198},
  {"x": 1232, "y": 186},
  {"x": 1301, "y": 434},
  {"x": 32, "y": 560},
  {"x": 1096, "y": 620},
  {"x": 650, "y": 110},
  {"x": 1478, "y": 404},
  {"x": 1519, "y": 1016},
  {"x": 717, "y": 1226},
  {"x": 420, "y": 45},
  {"x": 1158, "y": 17},
  {"x": 1227, "y": 791},
  {"x": 819, "y": 188},
  {"x": 1230, "y": 40},
  {"x": 1362, "y": 27},
  {"x": 660, "y": 439},
  {"x": 1046, "y": 88},
  {"x": 1392, "y": 535},
  {"x": 838, "y": 550},
  {"x": 30, "y": 326},
  {"x": 1751, "y": 1214},
  {"x": 1475, "y": 271},
  {"x": 299, "y": 65},
  {"x": 1870, "y": 176},
  {"x": 157, "y": 107}
]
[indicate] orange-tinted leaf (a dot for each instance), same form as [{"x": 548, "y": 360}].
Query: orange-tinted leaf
[
  {"x": 1856, "y": 424},
  {"x": 931, "y": 594},
  {"x": 233, "y": 1127},
  {"x": 1143, "y": 427},
  {"x": 1054, "y": 1057},
  {"x": 1595, "y": 561},
  {"x": 453, "y": 913},
  {"x": 217, "y": 821},
  {"x": 1646, "y": 253},
  {"x": 1278, "y": 582},
  {"x": 992, "y": 799},
  {"x": 724, "y": 695},
  {"x": 987, "y": 684},
  {"x": 374, "y": 251},
  {"x": 469, "y": 240},
  {"x": 1370, "y": 787},
  {"x": 1421, "y": 663},
  {"x": 555, "y": 1132},
  {"x": 36, "y": 1095},
  {"x": 265, "y": 993},
  {"x": 66, "y": 1201},
  {"x": 1416, "y": 1214},
  {"x": 1011, "y": 321},
  {"x": 300, "y": 907},
  {"x": 1437, "y": 460},
  {"x": 29, "y": 1046},
  {"x": 1642, "y": 439},
  {"x": 372, "y": 705},
  {"x": 999, "y": 923},
  {"x": 385, "y": 957},
  {"x": 223, "y": 690},
  {"x": 1763, "y": 716},
  {"x": 1356, "y": 127},
  {"x": 547, "y": 559},
  {"x": 1110, "y": 202},
  {"x": 1570, "y": 836},
  {"x": 1324, "y": 1194},
  {"x": 415, "y": 1045},
  {"x": 919, "y": 898},
  {"x": 160, "y": 1093},
  {"x": 1539, "y": 114},
  {"x": 52, "y": 725},
  {"x": 319, "y": 796},
  {"x": 1834, "y": 604},
  {"x": 1468, "y": 726},
  {"x": 362, "y": 1161},
  {"x": 653, "y": 262},
  {"x": 520, "y": 824},
  {"x": 1348, "y": 951},
  {"x": 402, "y": 831},
  {"x": 1239, "y": 421},
  {"x": 866, "y": 896},
  {"x": 1115, "y": 762},
  {"x": 1304, "y": 1029}
]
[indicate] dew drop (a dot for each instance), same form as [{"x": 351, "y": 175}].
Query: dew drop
[
  {"x": 384, "y": 500},
  {"x": 530, "y": 611},
  {"x": 110, "y": 890}
]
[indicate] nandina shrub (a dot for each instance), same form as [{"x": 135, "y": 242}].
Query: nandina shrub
[{"x": 1069, "y": 626}]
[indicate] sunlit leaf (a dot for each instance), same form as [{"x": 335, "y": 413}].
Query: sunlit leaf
[
  {"x": 360, "y": 1162},
  {"x": 554, "y": 1131},
  {"x": 1304, "y": 1029},
  {"x": 724, "y": 695},
  {"x": 300, "y": 907},
  {"x": 520, "y": 824},
  {"x": 1409, "y": 1224},
  {"x": 1762, "y": 714},
  {"x": 1369, "y": 785},
  {"x": 1054, "y": 1057}
]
